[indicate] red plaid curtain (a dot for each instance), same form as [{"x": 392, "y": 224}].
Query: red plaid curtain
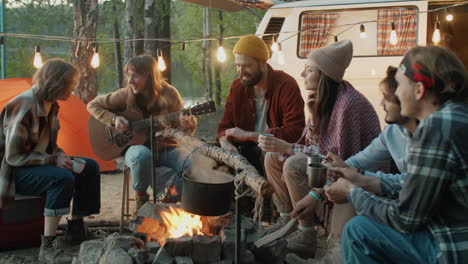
[
  {"x": 315, "y": 28},
  {"x": 406, "y": 20}
]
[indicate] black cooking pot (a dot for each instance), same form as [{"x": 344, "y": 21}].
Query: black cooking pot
[{"x": 208, "y": 195}]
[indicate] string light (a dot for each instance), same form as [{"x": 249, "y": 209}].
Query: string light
[
  {"x": 436, "y": 35},
  {"x": 362, "y": 31},
  {"x": 280, "y": 55},
  {"x": 393, "y": 35},
  {"x": 221, "y": 52},
  {"x": 95, "y": 59},
  {"x": 161, "y": 64},
  {"x": 274, "y": 46},
  {"x": 37, "y": 62}
]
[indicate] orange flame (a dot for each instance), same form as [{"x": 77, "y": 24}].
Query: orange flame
[{"x": 180, "y": 223}]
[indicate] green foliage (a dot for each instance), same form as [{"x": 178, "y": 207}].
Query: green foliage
[
  {"x": 28, "y": 17},
  {"x": 187, "y": 23},
  {"x": 55, "y": 18}
]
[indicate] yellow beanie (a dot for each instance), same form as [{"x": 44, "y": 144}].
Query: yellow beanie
[{"x": 252, "y": 46}]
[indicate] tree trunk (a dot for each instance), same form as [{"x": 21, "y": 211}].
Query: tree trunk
[
  {"x": 117, "y": 51},
  {"x": 258, "y": 183},
  {"x": 86, "y": 16},
  {"x": 207, "y": 52},
  {"x": 150, "y": 27},
  {"x": 129, "y": 17},
  {"x": 219, "y": 64},
  {"x": 164, "y": 31},
  {"x": 138, "y": 27}
]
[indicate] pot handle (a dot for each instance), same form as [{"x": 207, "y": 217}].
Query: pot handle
[{"x": 186, "y": 158}]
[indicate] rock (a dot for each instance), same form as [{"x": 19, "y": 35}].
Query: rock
[
  {"x": 90, "y": 251},
  {"x": 247, "y": 257},
  {"x": 152, "y": 246},
  {"x": 139, "y": 255},
  {"x": 184, "y": 260},
  {"x": 273, "y": 252},
  {"x": 116, "y": 256},
  {"x": 163, "y": 258},
  {"x": 181, "y": 246},
  {"x": 206, "y": 249},
  {"x": 123, "y": 241}
]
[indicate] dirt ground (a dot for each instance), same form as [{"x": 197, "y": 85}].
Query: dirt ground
[
  {"x": 111, "y": 191},
  {"x": 111, "y": 195}
]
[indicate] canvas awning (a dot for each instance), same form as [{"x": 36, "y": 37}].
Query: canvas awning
[{"x": 234, "y": 5}]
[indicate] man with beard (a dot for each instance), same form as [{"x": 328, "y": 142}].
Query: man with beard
[
  {"x": 391, "y": 144},
  {"x": 427, "y": 221},
  {"x": 261, "y": 100}
]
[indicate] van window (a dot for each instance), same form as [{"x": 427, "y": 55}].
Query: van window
[
  {"x": 274, "y": 26},
  {"x": 319, "y": 29}
]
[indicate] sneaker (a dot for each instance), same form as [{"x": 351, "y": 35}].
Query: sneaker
[
  {"x": 333, "y": 255},
  {"x": 76, "y": 232},
  {"x": 303, "y": 243},
  {"x": 50, "y": 251}
]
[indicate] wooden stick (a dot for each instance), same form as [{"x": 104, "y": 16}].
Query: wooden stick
[{"x": 234, "y": 160}]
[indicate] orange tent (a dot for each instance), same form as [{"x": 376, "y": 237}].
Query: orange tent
[{"x": 73, "y": 136}]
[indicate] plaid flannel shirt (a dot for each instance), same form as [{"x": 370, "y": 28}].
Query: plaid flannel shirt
[
  {"x": 22, "y": 120},
  {"x": 309, "y": 150},
  {"x": 435, "y": 192}
]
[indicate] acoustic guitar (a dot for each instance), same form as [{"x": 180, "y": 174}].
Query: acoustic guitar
[{"x": 108, "y": 143}]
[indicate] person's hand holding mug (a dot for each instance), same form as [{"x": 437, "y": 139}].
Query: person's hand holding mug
[{"x": 270, "y": 143}]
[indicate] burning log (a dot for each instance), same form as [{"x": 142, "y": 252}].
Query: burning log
[{"x": 236, "y": 161}]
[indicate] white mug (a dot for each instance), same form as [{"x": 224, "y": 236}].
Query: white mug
[{"x": 78, "y": 165}]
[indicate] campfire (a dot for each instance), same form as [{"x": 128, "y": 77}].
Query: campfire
[{"x": 174, "y": 222}]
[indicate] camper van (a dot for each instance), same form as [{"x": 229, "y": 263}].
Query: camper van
[{"x": 301, "y": 26}]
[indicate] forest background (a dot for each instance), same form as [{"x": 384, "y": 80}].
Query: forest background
[{"x": 188, "y": 69}]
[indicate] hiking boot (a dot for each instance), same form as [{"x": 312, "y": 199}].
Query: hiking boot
[
  {"x": 50, "y": 252},
  {"x": 333, "y": 255},
  {"x": 303, "y": 243},
  {"x": 76, "y": 232},
  {"x": 141, "y": 200}
]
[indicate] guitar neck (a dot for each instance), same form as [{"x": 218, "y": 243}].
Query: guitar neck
[{"x": 146, "y": 123}]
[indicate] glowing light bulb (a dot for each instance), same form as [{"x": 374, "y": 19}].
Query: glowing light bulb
[
  {"x": 95, "y": 59},
  {"x": 362, "y": 32},
  {"x": 161, "y": 63},
  {"x": 436, "y": 35},
  {"x": 221, "y": 53},
  {"x": 393, "y": 35},
  {"x": 280, "y": 55},
  {"x": 274, "y": 46},
  {"x": 280, "y": 58},
  {"x": 449, "y": 17},
  {"x": 37, "y": 62}
]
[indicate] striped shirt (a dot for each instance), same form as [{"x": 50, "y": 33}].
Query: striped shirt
[{"x": 435, "y": 191}]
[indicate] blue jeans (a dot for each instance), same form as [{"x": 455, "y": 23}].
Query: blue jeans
[
  {"x": 138, "y": 159},
  {"x": 366, "y": 241},
  {"x": 60, "y": 185}
]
